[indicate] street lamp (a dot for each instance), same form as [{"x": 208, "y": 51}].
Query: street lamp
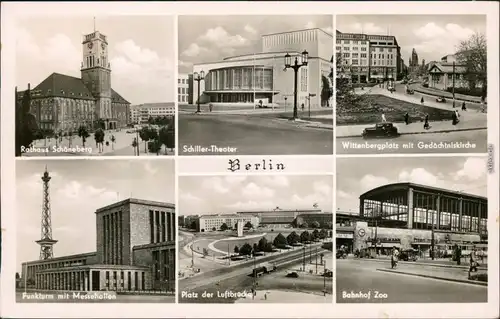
[
  {"x": 198, "y": 77},
  {"x": 296, "y": 66},
  {"x": 453, "y": 79}
]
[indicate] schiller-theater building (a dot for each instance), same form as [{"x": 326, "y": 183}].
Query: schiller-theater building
[
  {"x": 135, "y": 251},
  {"x": 406, "y": 215},
  {"x": 261, "y": 75}
]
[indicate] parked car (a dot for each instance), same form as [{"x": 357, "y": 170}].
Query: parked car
[
  {"x": 292, "y": 275},
  {"x": 341, "y": 254},
  {"x": 410, "y": 91},
  {"x": 441, "y": 99},
  {"x": 408, "y": 255},
  {"x": 381, "y": 130}
]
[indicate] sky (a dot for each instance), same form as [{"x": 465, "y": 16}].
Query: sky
[
  {"x": 229, "y": 194},
  {"x": 432, "y": 36},
  {"x": 77, "y": 189},
  {"x": 141, "y": 52},
  {"x": 212, "y": 38},
  {"x": 465, "y": 174}
]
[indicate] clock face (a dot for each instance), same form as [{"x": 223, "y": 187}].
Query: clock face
[
  {"x": 103, "y": 46},
  {"x": 90, "y": 45}
]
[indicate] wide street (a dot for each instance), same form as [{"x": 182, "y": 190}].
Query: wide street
[
  {"x": 251, "y": 135},
  {"x": 476, "y": 137},
  {"x": 120, "y": 299},
  {"x": 241, "y": 281},
  {"x": 361, "y": 275}
]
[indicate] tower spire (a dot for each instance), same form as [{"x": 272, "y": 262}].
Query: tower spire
[
  {"x": 94, "y": 24},
  {"x": 46, "y": 242}
]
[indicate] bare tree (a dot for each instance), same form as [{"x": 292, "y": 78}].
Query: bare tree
[{"x": 472, "y": 53}]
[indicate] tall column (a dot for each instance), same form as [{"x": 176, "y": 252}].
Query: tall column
[
  {"x": 438, "y": 209},
  {"x": 155, "y": 228},
  {"x": 113, "y": 238},
  {"x": 89, "y": 277},
  {"x": 119, "y": 235},
  {"x": 108, "y": 230},
  {"x": 460, "y": 210},
  {"x": 410, "y": 208},
  {"x": 85, "y": 281}
]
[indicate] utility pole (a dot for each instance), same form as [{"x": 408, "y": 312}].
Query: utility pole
[
  {"x": 254, "y": 277},
  {"x": 304, "y": 258},
  {"x": 324, "y": 277},
  {"x": 316, "y": 260},
  {"x": 192, "y": 254},
  {"x": 453, "y": 79},
  {"x": 228, "y": 255}
]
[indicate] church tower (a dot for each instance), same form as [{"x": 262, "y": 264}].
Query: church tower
[{"x": 96, "y": 73}]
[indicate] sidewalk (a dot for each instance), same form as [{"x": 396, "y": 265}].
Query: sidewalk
[
  {"x": 282, "y": 296},
  {"x": 441, "y": 274},
  {"x": 465, "y": 124},
  {"x": 442, "y": 263},
  {"x": 446, "y": 94}
]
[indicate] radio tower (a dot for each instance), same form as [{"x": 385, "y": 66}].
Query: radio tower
[{"x": 46, "y": 242}]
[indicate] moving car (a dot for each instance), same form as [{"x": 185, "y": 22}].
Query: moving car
[
  {"x": 381, "y": 130},
  {"x": 441, "y": 99},
  {"x": 408, "y": 255}
]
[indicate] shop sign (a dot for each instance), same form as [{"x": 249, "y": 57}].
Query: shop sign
[{"x": 344, "y": 235}]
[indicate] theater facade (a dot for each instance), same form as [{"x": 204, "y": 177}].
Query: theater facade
[
  {"x": 408, "y": 215},
  {"x": 261, "y": 77}
]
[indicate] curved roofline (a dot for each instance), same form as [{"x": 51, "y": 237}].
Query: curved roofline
[
  {"x": 300, "y": 30},
  {"x": 430, "y": 188},
  {"x": 260, "y": 53}
]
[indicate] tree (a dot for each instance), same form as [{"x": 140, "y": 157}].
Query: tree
[
  {"x": 248, "y": 225},
  {"x": 304, "y": 225},
  {"x": 18, "y": 276},
  {"x": 144, "y": 135},
  {"x": 255, "y": 248},
  {"x": 472, "y": 53},
  {"x": 163, "y": 137},
  {"x": 193, "y": 225},
  {"x": 214, "y": 229},
  {"x": 223, "y": 227},
  {"x": 279, "y": 241},
  {"x": 292, "y": 238},
  {"x": 326, "y": 91},
  {"x": 154, "y": 146},
  {"x": 246, "y": 249},
  {"x": 99, "y": 138},
  {"x": 345, "y": 96},
  {"x": 315, "y": 234},
  {"x": 236, "y": 250},
  {"x": 83, "y": 133},
  {"x": 26, "y": 124},
  {"x": 262, "y": 244},
  {"x": 171, "y": 135},
  {"x": 135, "y": 145},
  {"x": 329, "y": 225},
  {"x": 323, "y": 234},
  {"x": 113, "y": 140},
  {"x": 268, "y": 248},
  {"x": 315, "y": 224},
  {"x": 305, "y": 237}
]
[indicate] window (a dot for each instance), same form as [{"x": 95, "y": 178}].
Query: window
[
  {"x": 338, "y": 48},
  {"x": 354, "y": 42},
  {"x": 363, "y": 55},
  {"x": 355, "y": 55},
  {"x": 355, "y": 48},
  {"x": 339, "y": 41},
  {"x": 347, "y": 41},
  {"x": 390, "y": 49},
  {"x": 346, "y": 48},
  {"x": 363, "y": 49},
  {"x": 355, "y": 62}
]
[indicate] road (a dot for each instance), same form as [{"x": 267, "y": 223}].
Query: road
[
  {"x": 362, "y": 276},
  {"x": 477, "y": 137},
  {"x": 119, "y": 299},
  {"x": 241, "y": 281},
  {"x": 251, "y": 135}
]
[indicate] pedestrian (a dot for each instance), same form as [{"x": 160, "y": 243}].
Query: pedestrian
[
  {"x": 454, "y": 118},
  {"x": 383, "y": 118},
  {"x": 422, "y": 100},
  {"x": 407, "y": 118},
  {"x": 464, "y": 108},
  {"x": 473, "y": 261},
  {"x": 426, "y": 122},
  {"x": 210, "y": 107},
  {"x": 265, "y": 296},
  {"x": 459, "y": 255},
  {"x": 302, "y": 106}
]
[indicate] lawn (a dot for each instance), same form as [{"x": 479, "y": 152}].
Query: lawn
[
  {"x": 304, "y": 115},
  {"x": 370, "y": 111}
]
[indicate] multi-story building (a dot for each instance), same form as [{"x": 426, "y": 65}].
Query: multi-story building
[
  {"x": 140, "y": 114},
  {"x": 214, "y": 222},
  {"x": 364, "y": 57},
  {"x": 408, "y": 215},
  {"x": 135, "y": 250},
  {"x": 249, "y": 79},
  {"x": 449, "y": 73},
  {"x": 63, "y": 103},
  {"x": 185, "y": 88},
  {"x": 278, "y": 217}
]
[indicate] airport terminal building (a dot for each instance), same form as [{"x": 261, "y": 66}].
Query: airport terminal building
[
  {"x": 248, "y": 79},
  {"x": 135, "y": 250},
  {"x": 408, "y": 215}
]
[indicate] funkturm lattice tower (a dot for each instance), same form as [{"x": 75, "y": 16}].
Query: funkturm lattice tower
[{"x": 46, "y": 242}]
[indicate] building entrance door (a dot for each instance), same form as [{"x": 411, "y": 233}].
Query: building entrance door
[{"x": 96, "y": 280}]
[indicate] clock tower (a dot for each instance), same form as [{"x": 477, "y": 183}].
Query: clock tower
[{"x": 96, "y": 73}]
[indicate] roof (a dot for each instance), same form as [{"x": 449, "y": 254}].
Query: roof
[
  {"x": 269, "y": 34},
  {"x": 280, "y": 211},
  {"x": 117, "y": 98},
  {"x": 135, "y": 201},
  {"x": 402, "y": 186},
  {"x": 448, "y": 68},
  {"x": 62, "y": 258},
  {"x": 60, "y": 85}
]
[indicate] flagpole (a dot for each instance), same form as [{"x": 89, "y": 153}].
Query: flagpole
[{"x": 272, "y": 86}]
